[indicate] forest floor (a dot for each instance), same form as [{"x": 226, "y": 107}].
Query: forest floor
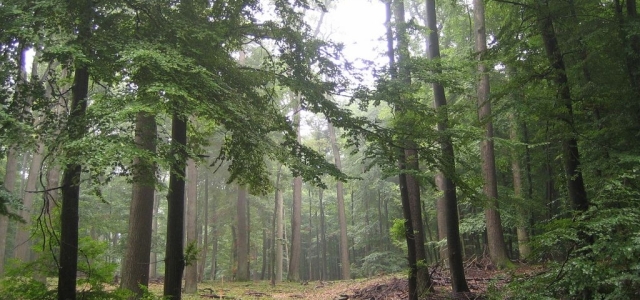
[{"x": 483, "y": 280}]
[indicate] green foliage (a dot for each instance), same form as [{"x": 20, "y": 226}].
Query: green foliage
[
  {"x": 191, "y": 253},
  {"x": 378, "y": 263},
  {"x": 398, "y": 233},
  {"x": 9, "y": 200},
  {"x": 608, "y": 267},
  {"x": 23, "y": 288}
]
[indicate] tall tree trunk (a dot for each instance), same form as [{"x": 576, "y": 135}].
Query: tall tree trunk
[
  {"x": 76, "y": 130},
  {"x": 174, "y": 259},
  {"x": 135, "y": 266},
  {"x": 441, "y": 209},
  {"x": 242, "y": 235},
  {"x": 570, "y": 153},
  {"x": 296, "y": 215},
  {"x": 495, "y": 234},
  {"x": 521, "y": 227},
  {"x": 454, "y": 247},
  {"x": 423, "y": 281},
  {"x": 342, "y": 217},
  {"x": 22, "y": 244},
  {"x": 10, "y": 175},
  {"x": 205, "y": 243},
  {"x": 323, "y": 239},
  {"x": 279, "y": 241},
  {"x": 153, "y": 258},
  {"x": 402, "y": 180},
  {"x": 191, "y": 270}
]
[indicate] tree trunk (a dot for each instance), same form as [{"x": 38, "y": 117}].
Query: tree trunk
[
  {"x": 279, "y": 240},
  {"x": 424, "y": 284},
  {"x": 135, "y": 266},
  {"x": 153, "y": 259},
  {"x": 191, "y": 270},
  {"x": 521, "y": 228},
  {"x": 323, "y": 239},
  {"x": 76, "y": 130},
  {"x": 454, "y": 247},
  {"x": 242, "y": 235},
  {"x": 570, "y": 153},
  {"x": 342, "y": 217},
  {"x": 441, "y": 209},
  {"x": 205, "y": 243},
  {"x": 174, "y": 260},
  {"x": 402, "y": 180},
  {"x": 296, "y": 215},
  {"x": 22, "y": 243},
  {"x": 495, "y": 234},
  {"x": 10, "y": 175}
]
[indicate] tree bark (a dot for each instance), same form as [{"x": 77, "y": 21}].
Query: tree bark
[
  {"x": 174, "y": 260},
  {"x": 279, "y": 236},
  {"x": 296, "y": 215},
  {"x": 135, "y": 266},
  {"x": 441, "y": 208},
  {"x": 342, "y": 217},
  {"x": 191, "y": 270},
  {"x": 205, "y": 240},
  {"x": 570, "y": 152},
  {"x": 76, "y": 129},
  {"x": 11, "y": 171},
  {"x": 521, "y": 228},
  {"x": 495, "y": 234},
  {"x": 454, "y": 247},
  {"x": 242, "y": 235},
  {"x": 410, "y": 158},
  {"x": 153, "y": 258},
  {"x": 22, "y": 249}
]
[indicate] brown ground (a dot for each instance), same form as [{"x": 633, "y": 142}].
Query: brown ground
[{"x": 481, "y": 276}]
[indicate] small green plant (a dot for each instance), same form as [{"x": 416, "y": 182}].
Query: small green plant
[{"x": 23, "y": 287}]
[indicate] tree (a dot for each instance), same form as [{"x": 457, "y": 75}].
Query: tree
[
  {"x": 9, "y": 184},
  {"x": 342, "y": 218},
  {"x": 495, "y": 236},
  {"x": 296, "y": 214},
  {"x": 174, "y": 257},
  {"x": 136, "y": 262},
  {"x": 454, "y": 248},
  {"x": 76, "y": 129},
  {"x": 242, "y": 248},
  {"x": 191, "y": 273},
  {"x": 570, "y": 152}
]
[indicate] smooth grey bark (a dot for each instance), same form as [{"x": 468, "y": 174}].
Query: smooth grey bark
[
  {"x": 191, "y": 270},
  {"x": 279, "y": 236},
  {"x": 153, "y": 258},
  {"x": 205, "y": 232},
  {"x": 454, "y": 246},
  {"x": 135, "y": 266},
  {"x": 342, "y": 217},
  {"x": 495, "y": 234},
  {"x": 524, "y": 249},
  {"x": 410, "y": 158},
  {"x": 441, "y": 208},
  {"x": 296, "y": 215},
  {"x": 242, "y": 246}
]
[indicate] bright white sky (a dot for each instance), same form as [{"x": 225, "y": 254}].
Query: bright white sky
[{"x": 359, "y": 25}]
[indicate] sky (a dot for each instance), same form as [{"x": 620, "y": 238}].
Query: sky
[{"x": 359, "y": 24}]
